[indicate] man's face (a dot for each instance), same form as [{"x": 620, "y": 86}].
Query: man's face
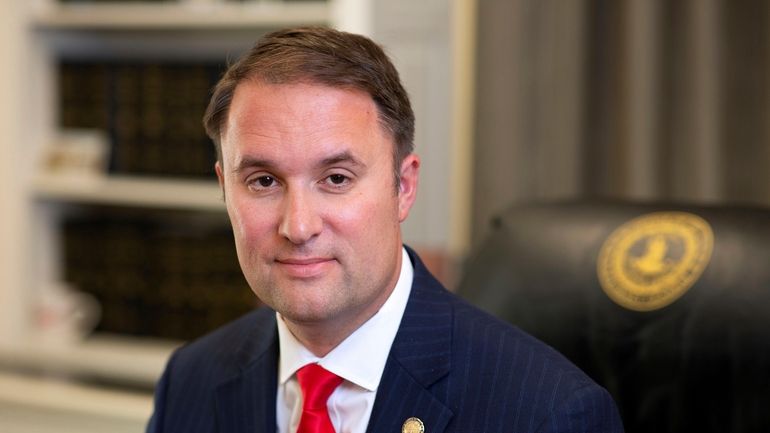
[{"x": 307, "y": 173}]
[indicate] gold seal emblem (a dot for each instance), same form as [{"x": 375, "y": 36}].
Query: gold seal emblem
[
  {"x": 413, "y": 425},
  {"x": 651, "y": 261}
]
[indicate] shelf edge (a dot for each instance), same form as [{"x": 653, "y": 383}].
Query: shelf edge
[
  {"x": 132, "y": 16},
  {"x": 131, "y": 191}
]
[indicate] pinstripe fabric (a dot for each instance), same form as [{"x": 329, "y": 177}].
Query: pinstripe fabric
[
  {"x": 224, "y": 382},
  {"x": 452, "y": 366}
]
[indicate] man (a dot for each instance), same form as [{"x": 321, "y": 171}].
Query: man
[{"x": 314, "y": 139}]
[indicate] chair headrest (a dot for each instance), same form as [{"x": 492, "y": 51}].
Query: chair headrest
[
  {"x": 629, "y": 256},
  {"x": 667, "y": 306}
]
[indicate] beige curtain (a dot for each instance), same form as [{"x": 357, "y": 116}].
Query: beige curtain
[{"x": 642, "y": 99}]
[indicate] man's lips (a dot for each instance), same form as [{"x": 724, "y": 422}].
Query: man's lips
[
  {"x": 310, "y": 267},
  {"x": 302, "y": 261}
]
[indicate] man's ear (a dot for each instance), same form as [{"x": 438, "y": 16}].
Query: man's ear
[
  {"x": 220, "y": 177},
  {"x": 409, "y": 176}
]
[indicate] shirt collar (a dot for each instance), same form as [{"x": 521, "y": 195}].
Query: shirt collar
[{"x": 371, "y": 341}]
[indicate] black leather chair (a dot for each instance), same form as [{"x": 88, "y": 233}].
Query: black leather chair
[{"x": 667, "y": 306}]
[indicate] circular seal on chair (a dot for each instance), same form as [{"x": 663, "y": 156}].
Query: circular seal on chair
[{"x": 652, "y": 260}]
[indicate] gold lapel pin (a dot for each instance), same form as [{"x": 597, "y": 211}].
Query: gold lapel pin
[{"x": 413, "y": 425}]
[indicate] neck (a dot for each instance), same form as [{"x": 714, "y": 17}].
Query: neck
[{"x": 318, "y": 340}]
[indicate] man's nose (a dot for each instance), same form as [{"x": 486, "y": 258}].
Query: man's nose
[{"x": 301, "y": 220}]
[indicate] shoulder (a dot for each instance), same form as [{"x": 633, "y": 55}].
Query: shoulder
[
  {"x": 488, "y": 334},
  {"x": 223, "y": 351},
  {"x": 482, "y": 340},
  {"x": 521, "y": 379},
  {"x": 196, "y": 370}
]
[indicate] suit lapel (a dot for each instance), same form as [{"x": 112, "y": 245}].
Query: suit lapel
[
  {"x": 420, "y": 357},
  {"x": 399, "y": 398},
  {"x": 246, "y": 403}
]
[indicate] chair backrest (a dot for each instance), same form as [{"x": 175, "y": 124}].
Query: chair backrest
[{"x": 667, "y": 306}]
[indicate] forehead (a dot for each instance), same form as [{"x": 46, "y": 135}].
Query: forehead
[
  {"x": 276, "y": 118},
  {"x": 271, "y": 102}
]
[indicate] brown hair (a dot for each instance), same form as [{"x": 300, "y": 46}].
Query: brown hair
[{"x": 324, "y": 56}]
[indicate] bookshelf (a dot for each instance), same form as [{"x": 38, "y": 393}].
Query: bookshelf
[
  {"x": 85, "y": 56},
  {"x": 36, "y": 204}
]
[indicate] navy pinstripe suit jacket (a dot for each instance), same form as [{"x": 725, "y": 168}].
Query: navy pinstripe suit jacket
[{"x": 451, "y": 365}]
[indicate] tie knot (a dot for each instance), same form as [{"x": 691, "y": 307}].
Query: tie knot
[{"x": 317, "y": 385}]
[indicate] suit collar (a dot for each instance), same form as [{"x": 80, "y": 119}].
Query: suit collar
[
  {"x": 424, "y": 338},
  {"x": 419, "y": 358}
]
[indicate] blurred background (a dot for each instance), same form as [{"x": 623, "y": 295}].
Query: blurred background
[{"x": 115, "y": 244}]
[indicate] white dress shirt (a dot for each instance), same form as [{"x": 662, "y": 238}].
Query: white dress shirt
[{"x": 359, "y": 360}]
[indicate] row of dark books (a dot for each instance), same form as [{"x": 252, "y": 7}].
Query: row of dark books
[
  {"x": 174, "y": 278},
  {"x": 151, "y": 113}
]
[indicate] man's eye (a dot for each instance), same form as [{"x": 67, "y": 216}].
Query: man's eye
[
  {"x": 337, "y": 179},
  {"x": 265, "y": 181}
]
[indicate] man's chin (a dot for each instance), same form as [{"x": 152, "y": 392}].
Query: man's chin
[
  {"x": 316, "y": 318},
  {"x": 305, "y": 301}
]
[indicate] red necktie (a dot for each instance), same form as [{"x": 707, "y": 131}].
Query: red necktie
[{"x": 317, "y": 385}]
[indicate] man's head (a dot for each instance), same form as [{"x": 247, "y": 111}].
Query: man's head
[
  {"x": 322, "y": 56},
  {"x": 306, "y": 166}
]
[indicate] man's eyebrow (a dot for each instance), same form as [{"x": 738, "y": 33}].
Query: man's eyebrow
[
  {"x": 249, "y": 162},
  {"x": 346, "y": 157},
  {"x": 341, "y": 157}
]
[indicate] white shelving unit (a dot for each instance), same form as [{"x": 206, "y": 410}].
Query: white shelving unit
[{"x": 182, "y": 29}]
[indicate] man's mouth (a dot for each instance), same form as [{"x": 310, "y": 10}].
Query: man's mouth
[{"x": 304, "y": 267}]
